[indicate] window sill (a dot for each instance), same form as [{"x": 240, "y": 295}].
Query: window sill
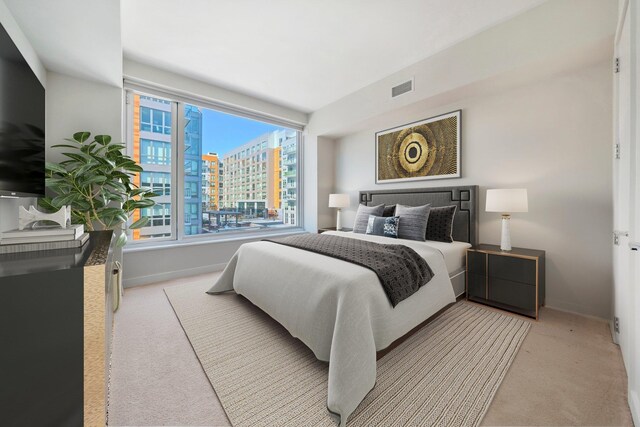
[{"x": 197, "y": 241}]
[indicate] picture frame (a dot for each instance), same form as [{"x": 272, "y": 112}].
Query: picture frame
[{"x": 422, "y": 150}]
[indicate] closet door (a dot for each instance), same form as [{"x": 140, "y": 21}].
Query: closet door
[{"x": 626, "y": 185}]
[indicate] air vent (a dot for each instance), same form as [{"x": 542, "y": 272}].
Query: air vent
[{"x": 402, "y": 88}]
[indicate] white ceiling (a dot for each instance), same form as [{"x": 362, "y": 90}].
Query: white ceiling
[
  {"x": 300, "y": 54},
  {"x": 76, "y": 37}
]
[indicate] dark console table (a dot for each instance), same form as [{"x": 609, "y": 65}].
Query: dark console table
[{"x": 55, "y": 325}]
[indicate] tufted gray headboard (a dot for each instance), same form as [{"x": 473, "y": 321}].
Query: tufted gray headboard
[{"x": 465, "y": 222}]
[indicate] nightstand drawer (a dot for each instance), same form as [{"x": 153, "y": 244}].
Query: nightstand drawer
[
  {"x": 512, "y": 269},
  {"x": 477, "y": 285},
  {"x": 477, "y": 262},
  {"x": 512, "y": 293}
]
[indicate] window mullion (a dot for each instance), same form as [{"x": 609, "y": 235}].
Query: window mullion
[
  {"x": 178, "y": 193},
  {"x": 299, "y": 179}
]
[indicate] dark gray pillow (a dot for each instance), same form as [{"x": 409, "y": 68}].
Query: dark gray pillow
[
  {"x": 389, "y": 210},
  {"x": 383, "y": 226},
  {"x": 440, "y": 225},
  {"x": 362, "y": 217},
  {"x": 413, "y": 221}
]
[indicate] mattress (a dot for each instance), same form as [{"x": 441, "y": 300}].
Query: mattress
[{"x": 454, "y": 253}]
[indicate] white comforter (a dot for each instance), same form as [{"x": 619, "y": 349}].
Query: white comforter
[{"x": 338, "y": 309}]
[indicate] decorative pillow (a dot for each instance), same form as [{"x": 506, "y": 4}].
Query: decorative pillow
[
  {"x": 440, "y": 225},
  {"x": 389, "y": 210},
  {"x": 413, "y": 223},
  {"x": 383, "y": 226},
  {"x": 362, "y": 217}
]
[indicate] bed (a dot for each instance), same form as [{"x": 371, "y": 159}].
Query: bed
[{"x": 339, "y": 309}]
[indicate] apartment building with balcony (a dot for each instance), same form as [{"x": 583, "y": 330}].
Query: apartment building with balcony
[
  {"x": 288, "y": 153},
  {"x": 259, "y": 177},
  {"x": 250, "y": 179},
  {"x": 212, "y": 182}
]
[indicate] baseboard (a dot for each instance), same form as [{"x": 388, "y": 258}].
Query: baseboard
[
  {"x": 566, "y": 310},
  {"x": 634, "y": 406},
  {"x": 612, "y": 329},
  {"x": 170, "y": 275}
]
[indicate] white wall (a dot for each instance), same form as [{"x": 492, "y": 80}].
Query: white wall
[
  {"x": 542, "y": 42},
  {"x": 552, "y": 137},
  {"x": 310, "y": 181},
  {"x": 22, "y": 42},
  {"x": 150, "y": 265},
  {"x": 555, "y": 35},
  {"x": 9, "y": 207},
  {"x": 74, "y": 104},
  {"x": 80, "y": 38},
  {"x": 326, "y": 216}
]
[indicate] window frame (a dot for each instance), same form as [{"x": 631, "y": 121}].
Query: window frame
[{"x": 177, "y": 167}]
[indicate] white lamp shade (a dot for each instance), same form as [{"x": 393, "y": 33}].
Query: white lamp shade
[
  {"x": 507, "y": 200},
  {"x": 338, "y": 200}
]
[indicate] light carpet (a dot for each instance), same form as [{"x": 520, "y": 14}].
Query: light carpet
[{"x": 445, "y": 374}]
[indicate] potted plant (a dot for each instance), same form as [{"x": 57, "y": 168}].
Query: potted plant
[{"x": 96, "y": 181}]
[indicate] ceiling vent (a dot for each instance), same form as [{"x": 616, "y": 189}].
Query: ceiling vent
[{"x": 402, "y": 88}]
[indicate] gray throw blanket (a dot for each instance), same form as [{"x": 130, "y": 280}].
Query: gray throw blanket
[{"x": 400, "y": 269}]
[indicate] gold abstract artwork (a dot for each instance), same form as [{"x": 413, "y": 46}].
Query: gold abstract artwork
[{"x": 428, "y": 149}]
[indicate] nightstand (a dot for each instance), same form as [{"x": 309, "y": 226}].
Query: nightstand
[
  {"x": 323, "y": 229},
  {"x": 513, "y": 280}
]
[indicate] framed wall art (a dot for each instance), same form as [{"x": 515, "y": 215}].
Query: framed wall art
[{"x": 427, "y": 149}]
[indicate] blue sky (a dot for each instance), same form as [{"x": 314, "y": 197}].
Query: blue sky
[{"x": 223, "y": 132}]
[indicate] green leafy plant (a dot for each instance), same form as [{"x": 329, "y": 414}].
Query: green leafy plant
[{"x": 96, "y": 180}]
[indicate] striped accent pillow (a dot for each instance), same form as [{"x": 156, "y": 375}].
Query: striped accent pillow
[
  {"x": 362, "y": 217},
  {"x": 386, "y": 226},
  {"x": 413, "y": 221}
]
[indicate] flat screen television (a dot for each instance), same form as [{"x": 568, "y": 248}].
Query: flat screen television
[{"x": 22, "y": 106}]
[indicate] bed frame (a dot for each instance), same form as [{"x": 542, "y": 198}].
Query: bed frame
[{"x": 465, "y": 221}]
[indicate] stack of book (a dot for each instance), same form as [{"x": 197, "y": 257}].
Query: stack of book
[{"x": 43, "y": 239}]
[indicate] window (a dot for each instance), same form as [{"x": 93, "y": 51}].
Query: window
[
  {"x": 234, "y": 174},
  {"x": 159, "y": 182},
  {"x": 155, "y": 152},
  {"x": 159, "y": 214},
  {"x": 156, "y": 121}
]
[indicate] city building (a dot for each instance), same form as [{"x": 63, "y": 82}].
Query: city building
[
  {"x": 152, "y": 150},
  {"x": 212, "y": 182},
  {"x": 288, "y": 162},
  {"x": 192, "y": 170},
  {"x": 259, "y": 177},
  {"x": 249, "y": 180}
]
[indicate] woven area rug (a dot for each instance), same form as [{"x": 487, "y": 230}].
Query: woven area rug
[{"x": 445, "y": 374}]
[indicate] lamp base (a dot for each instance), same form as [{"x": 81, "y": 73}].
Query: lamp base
[
  {"x": 505, "y": 240},
  {"x": 338, "y": 222}
]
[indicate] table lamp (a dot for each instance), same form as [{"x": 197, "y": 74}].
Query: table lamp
[
  {"x": 338, "y": 201},
  {"x": 507, "y": 201}
]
